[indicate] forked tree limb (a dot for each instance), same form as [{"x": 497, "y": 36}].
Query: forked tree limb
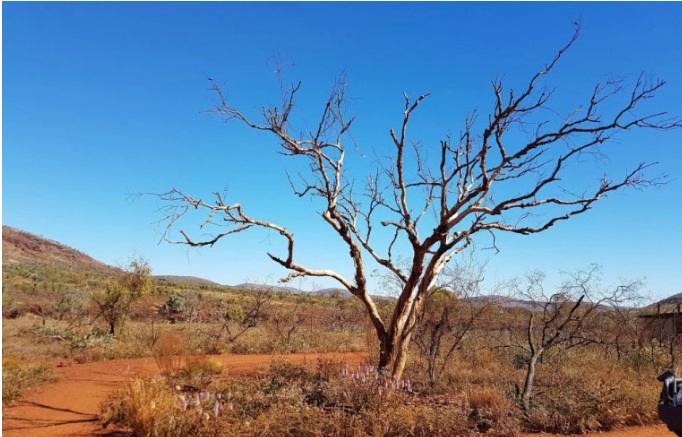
[{"x": 459, "y": 192}]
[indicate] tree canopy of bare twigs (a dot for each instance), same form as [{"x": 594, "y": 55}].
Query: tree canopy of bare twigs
[
  {"x": 562, "y": 320},
  {"x": 435, "y": 207}
]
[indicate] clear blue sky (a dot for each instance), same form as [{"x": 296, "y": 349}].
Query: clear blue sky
[{"x": 101, "y": 100}]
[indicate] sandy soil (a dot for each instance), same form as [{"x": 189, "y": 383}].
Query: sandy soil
[{"x": 69, "y": 406}]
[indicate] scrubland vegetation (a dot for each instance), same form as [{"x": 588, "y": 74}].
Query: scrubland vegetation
[
  {"x": 476, "y": 394},
  {"x": 18, "y": 376},
  {"x": 465, "y": 375}
]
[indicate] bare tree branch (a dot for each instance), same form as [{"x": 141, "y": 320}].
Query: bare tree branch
[{"x": 443, "y": 205}]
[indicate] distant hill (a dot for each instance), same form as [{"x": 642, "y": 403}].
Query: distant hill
[
  {"x": 22, "y": 249},
  {"x": 511, "y": 302},
  {"x": 675, "y": 299},
  {"x": 187, "y": 280},
  {"x": 19, "y": 247},
  {"x": 331, "y": 291},
  {"x": 27, "y": 251},
  {"x": 326, "y": 292},
  {"x": 507, "y": 302},
  {"x": 265, "y": 287}
]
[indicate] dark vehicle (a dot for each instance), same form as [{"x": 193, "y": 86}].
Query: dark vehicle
[{"x": 670, "y": 404}]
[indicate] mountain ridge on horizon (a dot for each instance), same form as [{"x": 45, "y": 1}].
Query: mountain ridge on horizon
[{"x": 19, "y": 246}]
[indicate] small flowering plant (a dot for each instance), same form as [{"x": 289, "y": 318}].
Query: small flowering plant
[
  {"x": 356, "y": 389},
  {"x": 205, "y": 403},
  {"x": 364, "y": 388}
]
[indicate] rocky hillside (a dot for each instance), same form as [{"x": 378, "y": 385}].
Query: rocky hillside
[{"x": 19, "y": 247}]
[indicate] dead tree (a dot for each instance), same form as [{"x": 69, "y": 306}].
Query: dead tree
[
  {"x": 485, "y": 181},
  {"x": 246, "y": 317},
  {"x": 561, "y": 321}
]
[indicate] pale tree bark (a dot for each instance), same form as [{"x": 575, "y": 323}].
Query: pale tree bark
[{"x": 441, "y": 206}]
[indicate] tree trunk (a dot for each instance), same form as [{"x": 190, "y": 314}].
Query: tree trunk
[
  {"x": 432, "y": 370},
  {"x": 393, "y": 354},
  {"x": 528, "y": 384},
  {"x": 434, "y": 352}
]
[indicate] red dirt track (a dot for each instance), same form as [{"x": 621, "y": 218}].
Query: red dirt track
[{"x": 69, "y": 406}]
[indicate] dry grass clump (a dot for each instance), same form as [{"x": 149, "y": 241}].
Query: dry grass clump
[
  {"x": 576, "y": 391},
  {"x": 199, "y": 371},
  {"x": 26, "y": 338},
  {"x": 465, "y": 370},
  {"x": 169, "y": 352},
  {"x": 18, "y": 376},
  {"x": 591, "y": 394},
  {"x": 581, "y": 392},
  {"x": 403, "y": 421},
  {"x": 149, "y": 407},
  {"x": 192, "y": 370},
  {"x": 255, "y": 341},
  {"x": 291, "y": 400},
  {"x": 490, "y": 411}
]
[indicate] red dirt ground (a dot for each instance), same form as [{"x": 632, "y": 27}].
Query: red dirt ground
[{"x": 69, "y": 406}]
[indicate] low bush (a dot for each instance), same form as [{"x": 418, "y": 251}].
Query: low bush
[
  {"x": 18, "y": 376},
  {"x": 292, "y": 400},
  {"x": 591, "y": 394},
  {"x": 169, "y": 353},
  {"x": 199, "y": 371},
  {"x": 149, "y": 407}
]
